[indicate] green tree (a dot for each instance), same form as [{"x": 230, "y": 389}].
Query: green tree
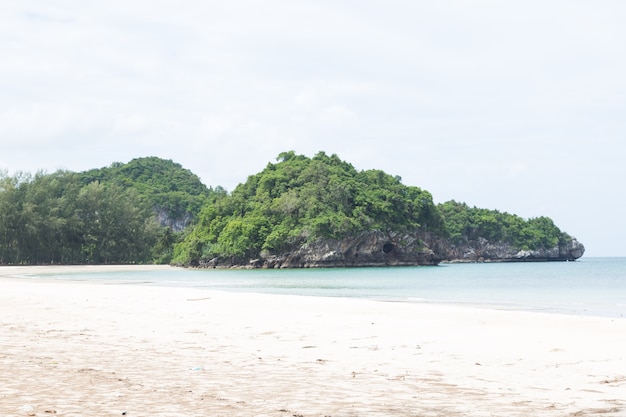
[
  {"x": 466, "y": 224},
  {"x": 117, "y": 225},
  {"x": 301, "y": 199}
]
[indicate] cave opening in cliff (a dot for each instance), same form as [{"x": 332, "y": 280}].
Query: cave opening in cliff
[{"x": 388, "y": 247}]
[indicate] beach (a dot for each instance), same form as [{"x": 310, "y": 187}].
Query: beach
[{"x": 110, "y": 349}]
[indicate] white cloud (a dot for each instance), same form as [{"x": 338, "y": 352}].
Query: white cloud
[
  {"x": 30, "y": 125},
  {"x": 337, "y": 115},
  {"x": 130, "y": 124}
]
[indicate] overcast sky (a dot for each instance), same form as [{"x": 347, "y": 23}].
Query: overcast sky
[{"x": 512, "y": 105}]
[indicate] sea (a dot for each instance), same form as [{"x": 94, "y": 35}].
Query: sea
[{"x": 591, "y": 286}]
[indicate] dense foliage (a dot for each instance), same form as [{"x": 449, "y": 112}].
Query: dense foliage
[
  {"x": 107, "y": 215},
  {"x": 95, "y": 217},
  {"x": 299, "y": 199},
  {"x": 466, "y": 224},
  {"x": 55, "y": 219},
  {"x": 164, "y": 184}
]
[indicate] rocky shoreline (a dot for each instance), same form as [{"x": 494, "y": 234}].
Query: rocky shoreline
[{"x": 378, "y": 249}]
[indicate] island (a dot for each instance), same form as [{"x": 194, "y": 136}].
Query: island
[
  {"x": 305, "y": 212},
  {"x": 298, "y": 212}
]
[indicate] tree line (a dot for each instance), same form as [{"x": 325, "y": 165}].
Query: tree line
[
  {"x": 54, "y": 219},
  {"x": 101, "y": 216},
  {"x": 107, "y": 215},
  {"x": 465, "y": 224}
]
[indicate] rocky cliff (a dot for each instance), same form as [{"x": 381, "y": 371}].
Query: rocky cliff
[
  {"x": 482, "y": 250},
  {"x": 375, "y": 248},
  {"x": 372, "y": 248},
  {"x": 176, "y": 224}
]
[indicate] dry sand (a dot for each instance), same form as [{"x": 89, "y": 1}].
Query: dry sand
[{"x": 96, "y": 349}]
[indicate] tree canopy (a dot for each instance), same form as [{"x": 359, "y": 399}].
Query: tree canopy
[
  {"x": 100, "y": 216},
  {"x": 163, "y": 183},
  {"x": 299, "y": 199},
  {"x": 55, "y": 219},
  {"x": 466, "y": 224}
]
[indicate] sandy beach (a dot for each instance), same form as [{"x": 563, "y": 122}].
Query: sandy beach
[{"x": 112, "y": 349}]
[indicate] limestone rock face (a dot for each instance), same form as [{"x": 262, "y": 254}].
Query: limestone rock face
[
  {"x": 176, "y": 224},
  {"x": 367, "y": 249},
  {"x": 375, "y": 248},
  {"x": 482, "y": 250}
]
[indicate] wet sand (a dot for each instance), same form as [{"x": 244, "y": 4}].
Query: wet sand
[{"x": 108, "y": 349}]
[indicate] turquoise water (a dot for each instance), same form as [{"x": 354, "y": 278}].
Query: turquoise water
[{"x": 590, "y": 286}]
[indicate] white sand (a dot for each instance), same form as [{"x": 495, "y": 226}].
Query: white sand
[{"x": 94, "y": 349}]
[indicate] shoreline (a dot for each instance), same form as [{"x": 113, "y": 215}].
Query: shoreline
[
  {"x": 21, "y": 270},
  {"x": 81, "y": 348},
  {"x": 45, "y": 273}
]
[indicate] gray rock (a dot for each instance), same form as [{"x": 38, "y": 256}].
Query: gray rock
[
  {"x": 482, "y": 250},
  {"x": 376, "y": 248}
]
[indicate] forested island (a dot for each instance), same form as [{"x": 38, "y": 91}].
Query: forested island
[{"x": 297, "y": 212}]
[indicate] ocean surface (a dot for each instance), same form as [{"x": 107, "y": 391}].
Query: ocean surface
[{"x": 589, "y": 286}]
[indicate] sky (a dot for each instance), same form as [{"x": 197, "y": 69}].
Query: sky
[{"x": 513, "y": 105}]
